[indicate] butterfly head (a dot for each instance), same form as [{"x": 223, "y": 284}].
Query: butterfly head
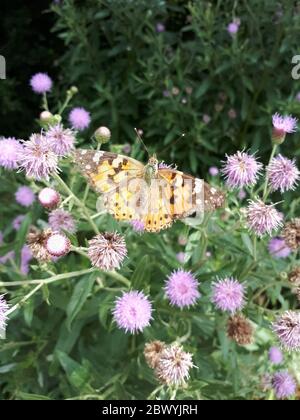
[{"x": 151, "y": 169}]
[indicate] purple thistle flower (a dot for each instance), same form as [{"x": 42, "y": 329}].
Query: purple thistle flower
[
  {"x": 3, "y": 309},
  {"x": 17, "y": 222},
  {"x": 287, "y": 328},
  {"x": 284, "y": 124},
  {"x": 9, "y": 256},
  {"x": 182, "y": 289},
  {"x": 275, "y": 355},
  {"x": 180, "y": 257},
  {"x": 25, "y": 196},
  {"x": 37, "y": 158},
  {"x": 26, "y": 257},
  {"x": 206, "y": 119},
  {"x": 138, "y": 225},
  {"x": 160, "y": 27},
  {"x": 241, "y": 170},
  {"x": 132, "y": 311},
  {"x": 228, "y": 295},
  {"x": 234, "y": 26},
  {"x": 10, "y": 151},
  {"x": 283, "y": 174},
  {"x": 173, "y": 366},
  {"x": 242, "y": 194},
  {"x": 79, "y": 118},
  {"x": 41, "y": 83},
  {"x": 58, "y": 245},
  {"x": 107, "y": 251},
  {"x": 213, "y": 171},
  {"x": 278, "y": 248},
  {"x": 61, "y": 140},
  {"x": 61, "y": 220},
  {"x": 49, "y": 198},
  {"x": 263, "y": 218},
  {"x": 284, "y": 385}
]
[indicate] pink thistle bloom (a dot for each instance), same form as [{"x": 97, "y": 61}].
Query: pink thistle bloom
[
  {"x": 3, "y": 309},
  {"x": 132, "y": 311},
  {"x": 234, "y": 26},
  {"x": 79, "y": 118},
  {"x": 17, "y": 222},
  {"x": 25, "y": 196},
  {"x": 213, "y": 171},
  {"x": 41, "y": 83},
  {"x": 241, "y": 170},
  {"x": 228, "y": 295},
  {"x": 61, "y": 140},
  {"x": 182, "y": 289},
  {"x": 26, "y": 257},
  {"x": 283, "y": 174},
  {"x": 37, "y": 158},
  {"x": 160, "y": 27},
  {"x": 61, "y": 220},
  {"x": 278, "y": 248},
  {"x": 107, "y": 251},
  {"x": 173, "y": 366},
  {"x": 58, "y": 245},
  {"x": 138, "y": 225},
  {"x": 285, "y": 124},
  {"x": 275, "y": 355},
  {"x": 10, "y": 151},
  {"x": 287, "y": 328},
  {"x": 263, "y": 218},
  {"x": 49, "y": 198},
  {"x": 284, "y": 385},
  {"x": 180, "y": 257},
  {"x": 242, "y": 194}
]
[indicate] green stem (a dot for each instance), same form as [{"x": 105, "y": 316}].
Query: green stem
[
  {"x": 49, "y": 280},
  {"x": 78, "y": 202},
  {"x": 24, "y": 299},
  {"x": 266, "y": 192},
  {"x": 118, "y": 277},
  {"x": 254, "y": 247},
  {"x": 45, "y": 102},
  {"x": 65, "y": 104}
]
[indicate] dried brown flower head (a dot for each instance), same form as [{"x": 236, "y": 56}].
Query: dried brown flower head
[
  {"x": 294, "y": 276},
  {"x": 240, "y": 330},
  {"x": 291, "y": 234},
  {"x": 152, "y": 352},
  {"x": 36, "y": 240}
]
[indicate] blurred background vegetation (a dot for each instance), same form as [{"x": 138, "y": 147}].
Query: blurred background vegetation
[{"x": 130, "y": 74}]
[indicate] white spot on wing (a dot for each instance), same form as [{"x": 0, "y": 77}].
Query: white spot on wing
[{"x": 97, "y": 157}]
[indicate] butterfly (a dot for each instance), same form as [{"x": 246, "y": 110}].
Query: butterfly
[{"x": 157, "y": 195}]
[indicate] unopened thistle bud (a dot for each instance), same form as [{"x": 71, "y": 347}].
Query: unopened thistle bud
[
  {"x": 49, "y": 198},
  {"x": 102, "y": 135},
  {"x": 46, "y": 117}
]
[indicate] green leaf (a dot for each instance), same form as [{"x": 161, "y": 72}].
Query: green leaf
[
  {"x": 247, "y": 242},
  {"x": 29, "y": 397},
  {"x": 78, "y": 298},
  {"x": 141, "y": 274},
  {"x": 77, "y": 374}
]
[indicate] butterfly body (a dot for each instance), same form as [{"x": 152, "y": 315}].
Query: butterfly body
[{"x": 148, "y": 193}]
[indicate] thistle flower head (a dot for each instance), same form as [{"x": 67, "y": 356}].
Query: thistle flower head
[
  {"x": 294, "y": 276},
  {"x": 138, "y": 226},
  {"x": 49, "y": 198},
  {"x": 25, "y": 196},
  {"x": 58, "y": 245},
  {"x": 240, "y": 330},
  {"x": 287, "y": 328},
  {"x": 79, "y": 118},
  {"x": 228, "y": 295},
  {"x": 286, "y": 124},
  {"x": 160, "y": 27},
  {"x": 173, "y": 366},
  {"x": 61, "y": 220},
  {"x": 37, "y": 158},
  {"x": 278, "y": 248},
  {"x": 291, "y": 234},
  {"x": 283, "y": 174},
  {"x": 275, "y": 355},
  {"x": 132, "y": 311},
  {"x": 152, "y": 352},
  {"x": 181, "y": 257},
  {"x": 3, "y": 310},
  {"x": 26, "y": 257},
  {"x": 36, "y": 241},
  {"x": 241, "y": 170},
  {"x": 10, "y": 151},
  {"x": 234, "y": 26},
  {"x": 41, "y": 83},
  {"x": 107, "y": 251},
  {"x": 213, "y": 171},
  {"x": 61, "y": 140},
  {"x": 182, "y": 289},
  {"x": 284, "y": 385},
  {"x": 263, "y": 218},
  {"x": 17, "y": 222},
  {"x": 102, "y": 135}
]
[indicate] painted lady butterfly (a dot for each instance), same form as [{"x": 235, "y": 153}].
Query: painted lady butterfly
[{"x": 154, "y": 194}]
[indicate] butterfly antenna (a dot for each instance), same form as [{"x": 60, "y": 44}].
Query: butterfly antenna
[
  {"x": 173, "y": 143},
  {"x": 141, "y": 140}
]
